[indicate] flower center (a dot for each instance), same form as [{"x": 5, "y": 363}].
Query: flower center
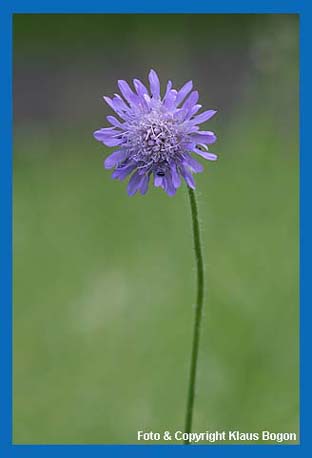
[{"x": 154, "y": 142}]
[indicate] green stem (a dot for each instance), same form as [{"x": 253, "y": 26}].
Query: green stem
[{"x": 198, "y": 313}]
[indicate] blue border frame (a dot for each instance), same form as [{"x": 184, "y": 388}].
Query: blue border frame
[{"x": 7, "y": 9}]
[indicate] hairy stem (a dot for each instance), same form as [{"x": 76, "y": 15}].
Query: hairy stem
[{"x": 198, "y": 313}]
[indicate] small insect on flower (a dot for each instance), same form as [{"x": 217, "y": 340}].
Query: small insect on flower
[{"x": 156, "y": 136}]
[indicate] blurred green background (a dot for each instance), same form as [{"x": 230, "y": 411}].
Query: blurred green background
[{"x": 104, "y": 284}]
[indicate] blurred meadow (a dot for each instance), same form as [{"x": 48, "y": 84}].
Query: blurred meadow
[{"x": 104, "y": 284}]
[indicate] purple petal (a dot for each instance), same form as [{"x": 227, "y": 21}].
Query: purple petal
[
  {"x": 168, "y": 89},
  {"x": 112, "y": 103},
  {"x": 147, "y": 99},
  {"x": 191, "y": 100},
  {"x": 168, "y": 185},
  {"x": 118, "y": 106},
  {"x": 193, "y": 164},
  {"x": 154, "y": 84},
  {"x": 134, "y": 183},
  {"x": 182, "y": 93},
  {"x": 116, "y": 157},
  {"x": 169, "y": 103},
  {"x": 114, "y": 122},
  {"x": 204, "y": 116},
  {"x": 122, "y": 172},
  {"x": 188, "y": 177},
  {"x": 144, "y": 184},
  {"x": 112, "y": 141},
  {"x": 140, "y": 88},
  {"x": 108, "y": 137},
  {"x": 204, "y": 137},
  {"x": 107, "y": 130},
  {"x": 176, "y": 179},
  {"x": 189, "y": 127},
  {"x": 158, "y": 181},
  {"x": 121, "y": 104},
  {"x": 193, "y": 110},
  {"x": 180, "y": 114},
  {"x": 127, "y": 92},
  {"x": 204, "y": 154},
  {"x": 109, "y": 102},
  {"x": 142, "y": 94}
]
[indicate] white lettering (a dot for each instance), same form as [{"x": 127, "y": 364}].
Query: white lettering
[
  {"x": 147, "y": 436},
  {"x": 278, "y": 437}
]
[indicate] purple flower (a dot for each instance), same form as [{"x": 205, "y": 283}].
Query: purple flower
[{"x": 156, "y": 136}]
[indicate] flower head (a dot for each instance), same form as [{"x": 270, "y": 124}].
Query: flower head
[{"x": 156, "y": 136}]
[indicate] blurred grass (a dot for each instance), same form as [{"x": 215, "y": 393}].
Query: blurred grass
[{"x": 104, "y": 287}]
